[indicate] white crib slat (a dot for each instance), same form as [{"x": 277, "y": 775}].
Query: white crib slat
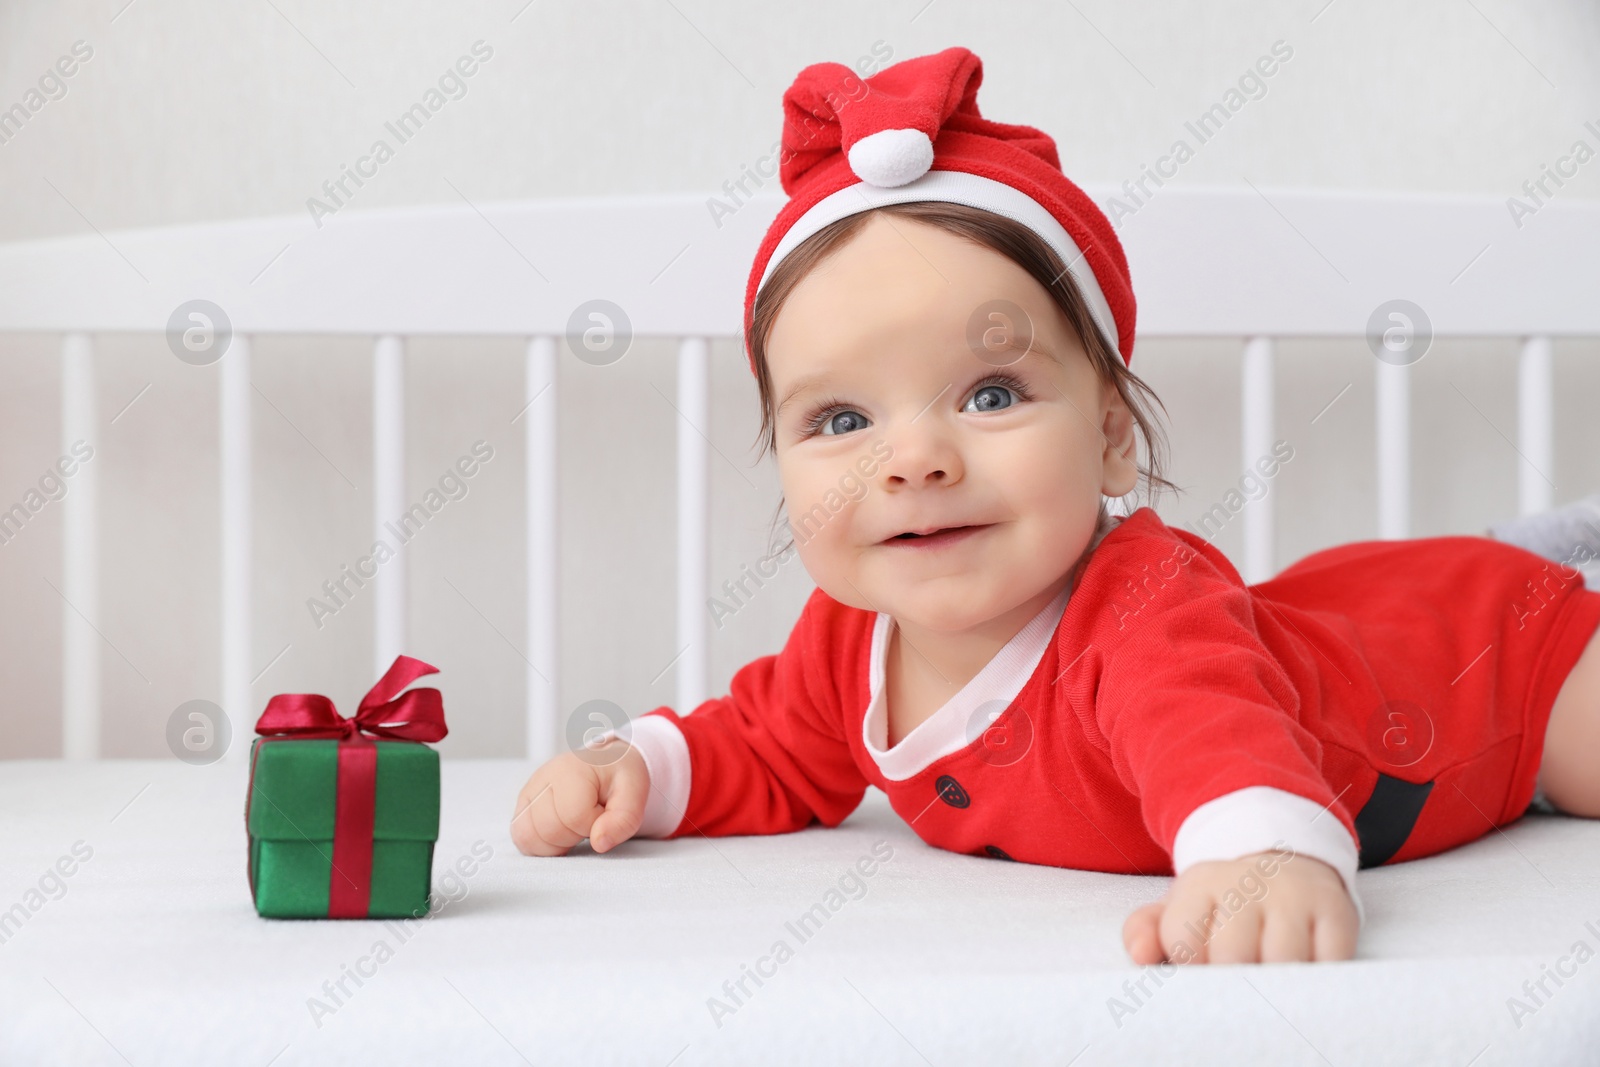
[
  {"x": 544, "y": 587},
  {"x": 694, "y": 520},
  {"x": 1536, "y": 420},
  {"x": 1257, "y": 418},
  {"x": 389, "y": 497},
  {"x": 80, "y": 557},
  {"x": 1394, "y": 450},
  {"x": 234, "y": 429}
]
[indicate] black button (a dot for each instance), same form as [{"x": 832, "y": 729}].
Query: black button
[
  {"x": 997, "y": 852},
  {"x": 950, "y": 792}
]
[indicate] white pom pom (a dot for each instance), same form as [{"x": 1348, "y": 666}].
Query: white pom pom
[{"x": 891, "y": 157}]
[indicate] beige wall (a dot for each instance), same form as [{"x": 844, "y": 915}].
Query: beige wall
[{"x": 189, "y": 112}]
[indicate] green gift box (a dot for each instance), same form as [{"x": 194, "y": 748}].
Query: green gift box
[
  {"x": 292, "y": 810},
  {"x": 342, "y": 814}
]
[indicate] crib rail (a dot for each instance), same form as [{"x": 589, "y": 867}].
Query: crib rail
[{"x": 1254, "y": 264}]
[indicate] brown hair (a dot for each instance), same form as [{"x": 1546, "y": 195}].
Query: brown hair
[{"x": 1009, "y": 238}]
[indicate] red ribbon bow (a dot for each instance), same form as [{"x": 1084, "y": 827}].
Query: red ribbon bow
[
  {"x": 415, "y": 715},
  {"x": 385, "y": 712}
]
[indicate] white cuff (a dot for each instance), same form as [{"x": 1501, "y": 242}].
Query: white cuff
[
  {"x": 666, "y": 756},
  {"x": 1261, "y": 818}
]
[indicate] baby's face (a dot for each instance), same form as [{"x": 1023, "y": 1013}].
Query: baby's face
[{"x": 889, "y": 420}]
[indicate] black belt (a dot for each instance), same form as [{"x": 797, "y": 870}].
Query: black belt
[{"x": 1386, "y": 819}]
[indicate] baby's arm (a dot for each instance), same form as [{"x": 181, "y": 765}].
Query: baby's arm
[
  {"x": 1197, "y": 716},
  {"x": 770, "y": 757}
]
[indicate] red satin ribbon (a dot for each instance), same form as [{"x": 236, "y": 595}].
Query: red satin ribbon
[{"x": 413, "y": 715}]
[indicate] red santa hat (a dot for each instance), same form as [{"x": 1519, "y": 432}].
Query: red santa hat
[{"x": 912, "y": 132}]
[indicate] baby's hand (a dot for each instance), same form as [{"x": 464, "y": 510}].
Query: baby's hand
[
  {"x": 599, "y": 795},
  {"x": 1289, "y": 908}
]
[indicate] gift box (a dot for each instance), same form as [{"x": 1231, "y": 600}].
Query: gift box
[{"x": 342, "y": 813}]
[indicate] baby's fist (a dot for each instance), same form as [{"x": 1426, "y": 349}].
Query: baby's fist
[
  {"x": 599, "y": 794},
  {"x": 1270, "y": 907}
]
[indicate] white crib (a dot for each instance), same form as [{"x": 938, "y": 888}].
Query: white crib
[
  {"x": 1254, "y": 264},
  {"x": 612, "y": 958}
]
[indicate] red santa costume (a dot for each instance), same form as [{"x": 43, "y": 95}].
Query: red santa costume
[{"x": 1375, "y": 702}]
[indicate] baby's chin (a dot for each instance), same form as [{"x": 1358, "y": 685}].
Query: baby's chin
[{"x": 952, "y": 614}]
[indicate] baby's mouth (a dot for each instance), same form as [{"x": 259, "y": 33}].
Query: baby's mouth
[{"x": 934, "y": 538}]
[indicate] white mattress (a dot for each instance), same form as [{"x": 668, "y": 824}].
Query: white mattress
[{"x": 154, "y": 954}]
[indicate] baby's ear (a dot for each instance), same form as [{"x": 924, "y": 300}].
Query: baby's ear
[{"x": 1121, "y": 456}]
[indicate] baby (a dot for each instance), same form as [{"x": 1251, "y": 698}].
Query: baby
[{"x": 940, "y": 325}]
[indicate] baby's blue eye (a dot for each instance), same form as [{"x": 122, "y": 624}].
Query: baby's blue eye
[
  {"x": 990, "y": 398},
  {"x": 843, "y": 422},
  {"x": 995, "y": 393}
]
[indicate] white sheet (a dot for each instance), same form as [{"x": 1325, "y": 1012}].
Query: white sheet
[{"x": 155, "y": 953}]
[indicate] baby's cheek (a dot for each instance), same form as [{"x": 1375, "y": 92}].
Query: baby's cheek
[
  {"x": 1061, "y": 495},
  {"x": 837, "y": 576},
  {"x": 821, "y": 547}
]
